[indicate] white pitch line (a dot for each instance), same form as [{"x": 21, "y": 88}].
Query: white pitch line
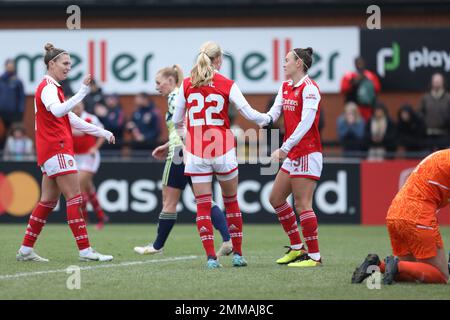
[{"x": 102, "y": 266}]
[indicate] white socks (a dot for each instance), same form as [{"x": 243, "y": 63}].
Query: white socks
[
  {"x": 297, "y": 246},
  {"x": 314, "y": 256},
  {"x": 85, "y": 252},
  {"x": 25, "y": 250}
]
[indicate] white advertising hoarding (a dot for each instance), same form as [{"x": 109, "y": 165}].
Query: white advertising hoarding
[{"x": 125, "y": 61}]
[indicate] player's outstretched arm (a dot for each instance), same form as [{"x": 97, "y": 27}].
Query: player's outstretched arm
[
  {"x": 88, "y": 128},
  {"x": 244, "y": 108}
]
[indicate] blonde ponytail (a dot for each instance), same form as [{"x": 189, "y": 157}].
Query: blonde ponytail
[
  {"x": 203, "y": 71},
  {"x": 175, "y": 72},
  {"x": 179, "y": 74}
]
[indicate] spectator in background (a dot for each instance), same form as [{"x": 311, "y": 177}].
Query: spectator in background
[
  {"x": 113, "y": 118},
  {"x": 12, "y": 96},
  {"x": 380, "y": 133},
  {"x": 435, "y": 108},
  {"x": 145, "y": 124},
  {"x": 410, "y": 129},
  {"x": 65, "y": 84},
  {"x": 351, "y": 130},
  {"x": 361, "y": 87},
  {"x": 18, "y": 146},
  {"x": 94, "y": 98}
]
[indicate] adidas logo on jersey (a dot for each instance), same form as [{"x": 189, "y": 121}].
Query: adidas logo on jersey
[
  {"x": 203, "y": 229},
  {"x": 232, "y": 228}
]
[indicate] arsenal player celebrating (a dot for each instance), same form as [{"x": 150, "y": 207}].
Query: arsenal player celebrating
[
  {"x": 54, "y": 146},
  {"x": 210, "y": 149},
  {"x": 299, "y": 100}
]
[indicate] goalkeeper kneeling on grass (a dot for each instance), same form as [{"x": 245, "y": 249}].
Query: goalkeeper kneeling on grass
[{"x": 419, "y": 254}]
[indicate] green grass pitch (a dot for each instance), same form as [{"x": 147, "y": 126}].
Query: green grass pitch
[{"x": 180, "y": 272}]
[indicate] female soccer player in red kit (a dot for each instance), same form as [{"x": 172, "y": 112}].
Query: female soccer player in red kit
[
  {"x": 87, "y": 155},
  {"x": 301, "y": 152},
  {"x": 54, "y": 146},
  {"x": 210, "y": 148}
]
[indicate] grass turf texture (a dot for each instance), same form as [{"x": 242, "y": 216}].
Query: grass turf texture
[{"x": 342, "y": 248}]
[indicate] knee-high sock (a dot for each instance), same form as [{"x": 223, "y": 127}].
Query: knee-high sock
[
  {"x": 219, "y": 222},
  {"x": 234, "y": 219},
  {"x": 76, "y": 222},
  {"x": 37, "y": 221},
  {"x": 165, "y": 224},
  {"x": 96, "y": 206},
  {"x": 84, "y": 211},
  {"x": 204, "y": 225},
  {"x": 420, "y": 272},
  {"x": 288, "y": 220},
  {"x": 308, "y": 222}
]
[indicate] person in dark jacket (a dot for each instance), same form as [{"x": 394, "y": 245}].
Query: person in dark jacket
[
  {"x": 112, "y": 117},
  {"x": 351, "y": 129},
  {"x": 410, "y": 129},
  {"x": 12, "y": 96},
  {"x": 145, "y": 124},
  {"x": 380, "y": 133},
  {"x": 94, "y": 98}
]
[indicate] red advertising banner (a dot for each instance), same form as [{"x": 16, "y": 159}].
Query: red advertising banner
[{"x": 380, "y": 182}]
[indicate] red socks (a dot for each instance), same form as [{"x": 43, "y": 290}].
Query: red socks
[
  {"x": 308, "y": 222},
  {"x": 204, "y": 224},
  {"x": 95, "y": 204},
  {"x": 418, "y": 271},
  {"x": 84, "y": 211},
  {"x": 37, "y": 221},
  {"x": 288, "y": 220},
  {"x": 234, "y": 221},
  {"x": 76, "y": 222}
]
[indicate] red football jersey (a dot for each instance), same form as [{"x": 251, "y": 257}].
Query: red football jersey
[
  {"x": 82, "y": 142},
  {"x": 208, "y": 124},
  {"x": 53, "y": 134},
  {"x": 292, "y": 110}
]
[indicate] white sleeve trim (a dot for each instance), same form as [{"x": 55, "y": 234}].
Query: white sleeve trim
[
  {"x": 308, "y": 116},
  {"x": 275, "y": 110},
  {"x": 88, "y": 128},
  {"x": 51, "y": 101}
]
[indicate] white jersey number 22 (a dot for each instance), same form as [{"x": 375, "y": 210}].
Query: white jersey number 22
[{"x": 209, "y": 120}]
